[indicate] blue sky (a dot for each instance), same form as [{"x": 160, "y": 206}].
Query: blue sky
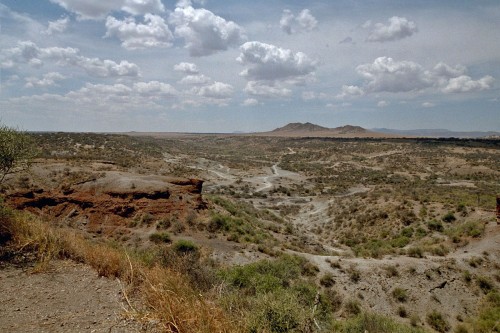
[{"x": 224, "y": 66}]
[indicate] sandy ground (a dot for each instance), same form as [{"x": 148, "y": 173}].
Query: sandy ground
[{"x": 67, "y": 297}]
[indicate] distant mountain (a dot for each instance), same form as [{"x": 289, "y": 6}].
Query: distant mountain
[
  {"x": 301, "y": 127},
  {"x": 309, "y": 127},
  {"x": 437, "y": 133}
]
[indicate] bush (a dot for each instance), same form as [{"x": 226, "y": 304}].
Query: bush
[
  {"x": 17, "y": 150},
  {"x": 415, "y": 252},
  {"x": 160, "y": 237},
  {"x": 184, "y": 246},
  {"x": 400, "y": 295},
  {"x": 489, "y": 315},
  {"x": 327, "y": 280},
  {"x": 449, "y": 217},
  {"x": 435, "y": 225},
  {"x": 352, "y": 307},
  {"x": 484, "y": 283},
  {"x": 437, "y": 321}
]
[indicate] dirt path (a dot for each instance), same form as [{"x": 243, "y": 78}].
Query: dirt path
[{"x": 68, "y": 297}]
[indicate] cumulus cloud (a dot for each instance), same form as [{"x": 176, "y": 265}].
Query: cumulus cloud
[
  {"x": 47, "y": 80},
  {"x": 28, "y": 52},
  {"x": 154, "y": 88},
  {"x": 269, "y": 62},
  {"x": 350, "y": 91},
  {"x": 465, "y": 83},
  {"x": 204, "y": 32},
  {"x": 98, "y": 9},
  {"x": 304, "y": 21},
  {"x": 197, "y": 79},
  {"x": 153, "y": 33},
  {"x": 57, "y": 26},
  {"x": 428, "y": 105},
  {"x": 261, "y": 89},
  {"x": 218, "y": 90},
  {"x": 186, "y": 67},
  {"x": 388, "y": 75},
  {"x": 398, "y": 28}
]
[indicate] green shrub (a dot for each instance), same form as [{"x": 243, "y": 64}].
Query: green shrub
[
  {"x": 352, "y": 307},
  {"x": 400, "y": 295},
  {"x": 160, "y": 237},
  {"x": 435, "y": 225},
  {"x": 449, "y": 217},
  {"x": 184, "y": 246},
  {"x": 327, "y": 280},
  {"x": 437, "y": 321},
  {"x": 415, "y": 252},
  {"x": 484, "y": 283},
  {"x": 400, "y": 241},
  {"x": 488, "y": 318}
]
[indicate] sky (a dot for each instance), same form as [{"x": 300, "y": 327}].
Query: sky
[{"x": 246, "y": 66}]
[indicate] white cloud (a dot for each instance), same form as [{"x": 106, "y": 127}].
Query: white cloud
[
  {"x": 154, "y": 33},
  {"x": 386, "y": 74},
  {"x": 218, "y": 90},
  {"x": 261, "y": 89},
  {"x": 465, "y": 83},
  {"x": 47, "y": 80},
  {"x": 28, "y": 52},
  {"x": 269, "y": 62},
  {"x": 308, "y": 95},
  {"x": 250, "y": 102},
  {"x": 428, "y": 105},
  {"x": 98, "y": 9},
  {"x": 198, "y": 79},
  {"x": 304, "y": 21},
  {"x": 350, "y": 91},
  {"x": 204, "y": 32},
  {"x": 186, "y": 67},
  {"x": 154, "y": 88},
  {"x": 286, "y": 21},
  {"x": 382, "y": 104},
  {"x": 398, "y": 28},
  {"x": 57, "y": 26}
]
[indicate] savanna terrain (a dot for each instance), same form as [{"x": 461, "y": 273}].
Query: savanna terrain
[{"x": 258, "y": 233}]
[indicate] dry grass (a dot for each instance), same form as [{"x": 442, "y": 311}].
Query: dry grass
[{"x": 169, "y": 296}]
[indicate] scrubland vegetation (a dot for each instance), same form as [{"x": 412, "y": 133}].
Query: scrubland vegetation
[{"x": 308, "y": 216}]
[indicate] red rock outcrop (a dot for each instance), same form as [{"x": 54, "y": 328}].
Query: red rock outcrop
[{"x": 104, "y": 204}]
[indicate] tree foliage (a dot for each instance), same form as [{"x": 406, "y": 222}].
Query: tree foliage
[{"x": 16, "y": 151}]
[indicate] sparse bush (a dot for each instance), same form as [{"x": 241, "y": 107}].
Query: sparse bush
[
  {"x": 354, "y": 274},
  {"x": 160, "y": 237},
  {"x": 352, "y": 307},
  {"x": 400, "y": 295},
  {"x": 484, "y": 283},
  {"x": 449, "y": 217},
  {"x": 436, "y": 320},
  {"x": 402, "y": 312},
  {"x": 435, "y": 225},
  {"x": 415, "y": 252},
  {"x": 391, "y": 270},
  {"x": 327, "y": 280},
  {"x": 184, "y": 246},
  {"x": 467, "y": 276}
]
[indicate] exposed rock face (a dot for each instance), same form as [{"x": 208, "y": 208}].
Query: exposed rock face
[{"x": 101, "y": 205}]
